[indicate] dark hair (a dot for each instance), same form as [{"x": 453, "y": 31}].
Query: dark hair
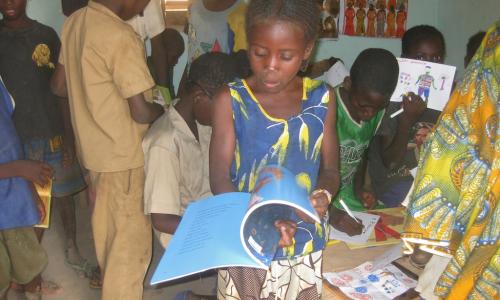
[
  {"x": 375, "y": 70},
  {"x": 473, "y": 44},
  {"x": 304, "y": 13},
  {"x": 174, "y": 40},
  {"x": 213, "y": 69},
  {"x": 417, "y": 34}
]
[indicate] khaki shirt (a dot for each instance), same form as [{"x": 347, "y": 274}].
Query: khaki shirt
[
  {"x": 104, "y": 63},
  {"x": 176, "y": 165}
]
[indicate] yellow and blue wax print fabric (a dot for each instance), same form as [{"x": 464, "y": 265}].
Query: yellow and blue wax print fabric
[
  {"x": 294, "y": 143},
  {"x": 454, "y": 208}
]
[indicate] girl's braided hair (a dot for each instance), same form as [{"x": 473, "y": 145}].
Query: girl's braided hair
[{"x": 304, "y": 13}]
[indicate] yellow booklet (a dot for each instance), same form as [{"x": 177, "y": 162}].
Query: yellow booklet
[{"x": 45, "y": 194}]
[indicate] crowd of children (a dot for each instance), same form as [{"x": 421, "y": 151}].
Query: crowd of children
[{"x": 82, "y": 103}]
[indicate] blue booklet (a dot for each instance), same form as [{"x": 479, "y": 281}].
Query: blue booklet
[{"x": 234, "y": 229}]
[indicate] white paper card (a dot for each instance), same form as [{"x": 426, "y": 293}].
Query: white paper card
[
  {"x": 431, "y": 81},
  {"x": 369, "y": 221}
]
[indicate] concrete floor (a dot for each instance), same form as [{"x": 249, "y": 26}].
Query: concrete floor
[{"x": 76, "y": 288}]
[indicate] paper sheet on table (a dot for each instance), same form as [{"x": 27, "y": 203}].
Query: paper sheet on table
[
  {"x": 376, "y": 279},
  {"x": 369, "y": 221}
]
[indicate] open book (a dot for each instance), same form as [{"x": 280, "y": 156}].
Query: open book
[{"x": 234, "y": 229}]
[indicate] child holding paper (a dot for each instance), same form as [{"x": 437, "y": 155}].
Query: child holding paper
[{"x": 392, "y": 152}]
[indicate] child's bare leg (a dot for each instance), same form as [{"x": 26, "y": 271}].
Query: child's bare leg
[
  {"x": 66, "y": 206},
  {"x": 39, "y": 233}
]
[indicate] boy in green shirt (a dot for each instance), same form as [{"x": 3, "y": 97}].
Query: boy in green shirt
[{"x": 361, "y": 102}]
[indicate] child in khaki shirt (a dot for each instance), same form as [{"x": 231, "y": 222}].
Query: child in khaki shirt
[
  {"x": 176, "y": 146},
  {"x": 103, "y": 72}
]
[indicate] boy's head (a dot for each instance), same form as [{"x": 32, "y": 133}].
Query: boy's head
[
  {"x": 125, "y": 9},
  {"x": 472, "y": 46},
  {"x": 423, "y": 42},
  {"x": 12, "y": 9},
  {"x": 207, "y": 74},
  {"x": 175, "y": 42},
  {"x": 373, "y": 78}
]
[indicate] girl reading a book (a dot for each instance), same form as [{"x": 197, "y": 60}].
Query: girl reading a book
[{"x": 277, "y": 117}]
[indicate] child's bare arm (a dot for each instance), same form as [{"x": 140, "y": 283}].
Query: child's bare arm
[
  {"x": 58, "y": 82},
  {"x": 166, "y": 223},
  {"x": 394, "y": 149},
  {"x": 329, "y": 178},
  {"x": 31, "y": 170},
  {"x": 222, "y": 144},
  {"x": 142, "y": 111},
  {"x": 367, "y": 197},
  {"x": 159, "y": 56}
]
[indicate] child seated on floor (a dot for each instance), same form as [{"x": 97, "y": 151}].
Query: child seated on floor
[
  {"x": 176, "y": 146},
  {"x": 361, "y": 102}
]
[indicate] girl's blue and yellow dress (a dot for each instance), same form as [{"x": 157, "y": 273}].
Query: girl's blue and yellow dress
[{"x": 295, "y": 144}]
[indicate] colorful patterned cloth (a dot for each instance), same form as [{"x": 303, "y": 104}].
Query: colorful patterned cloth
[
  {"x": 295, "y": 143},
  {"x": 454, "y": 208}
]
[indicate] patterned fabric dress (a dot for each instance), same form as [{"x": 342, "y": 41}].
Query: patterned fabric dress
[
  {"x": 295, "y": 144},
  {"x": 454, "y": 209}
]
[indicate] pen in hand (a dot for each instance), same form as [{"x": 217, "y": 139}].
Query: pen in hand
[{"x": 348, "y": 211}]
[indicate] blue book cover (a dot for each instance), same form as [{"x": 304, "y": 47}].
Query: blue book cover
[{"x": 234, "y": 229}]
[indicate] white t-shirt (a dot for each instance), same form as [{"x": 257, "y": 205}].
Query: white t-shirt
[
  {"x": 151, "y": 23},
  {"x": 208, "y": 30}
]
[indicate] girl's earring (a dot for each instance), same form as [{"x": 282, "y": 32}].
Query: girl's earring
[{"x": 304, "y": 65}]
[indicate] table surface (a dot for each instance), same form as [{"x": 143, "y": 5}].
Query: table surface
[{"x": 338, "y": 257}]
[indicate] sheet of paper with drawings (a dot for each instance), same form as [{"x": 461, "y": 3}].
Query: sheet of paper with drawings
[{"x": 369, "y": 221}]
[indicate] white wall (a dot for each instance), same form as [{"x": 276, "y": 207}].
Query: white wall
[
  {"x": 459, "y": 19},
  {"x": 48, "y": 12}
]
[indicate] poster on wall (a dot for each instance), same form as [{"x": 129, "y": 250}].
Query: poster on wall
[
  {"x": 374, "y": 18},
  {"x": 330, "y": 15}
]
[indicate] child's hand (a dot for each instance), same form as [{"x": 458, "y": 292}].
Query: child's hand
[
  {"x": 413, "y": 107},
  {"x": 287, "y": 231},
  {"x": 367, "y": 198},
  {"x": 35, "y": 171},
  {"x": 340, "y": 220},
  {"x": 320, "y": 200}
]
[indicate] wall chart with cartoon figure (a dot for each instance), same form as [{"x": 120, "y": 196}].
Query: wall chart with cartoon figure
[{"x": 431, "y": 81}]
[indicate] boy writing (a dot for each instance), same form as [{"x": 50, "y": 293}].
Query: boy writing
[
  {"x": 180, "y": 141},
  {"x": 102, "y": 61},
  {"x": 361, "y": 102}
]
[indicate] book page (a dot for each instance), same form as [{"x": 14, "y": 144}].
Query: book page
[
  {"x": 208, "y": 237},
  {"x": 275, "y": 197}
]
